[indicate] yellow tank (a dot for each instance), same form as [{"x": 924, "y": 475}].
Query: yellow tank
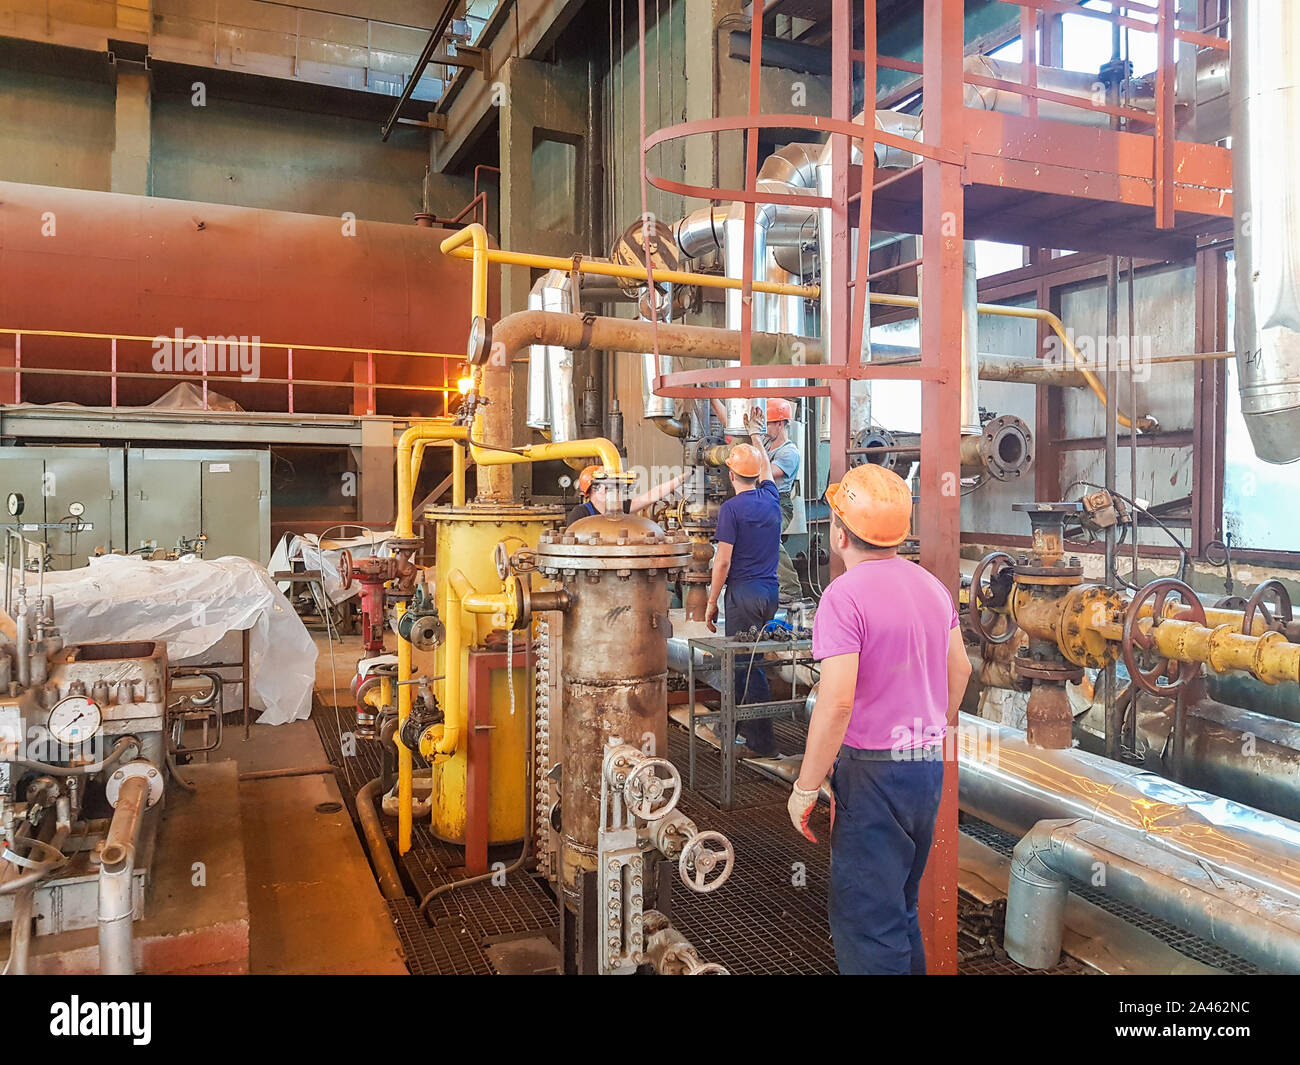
[{"x": 466, "y": 539}]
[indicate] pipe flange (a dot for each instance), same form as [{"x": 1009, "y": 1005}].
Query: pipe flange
[
  {"x": 1085, "y": 610},
  {"x": 141, "y": 767},
  {"x": 1006, "y": 448},
  {"x": 1028, "y": 669}
]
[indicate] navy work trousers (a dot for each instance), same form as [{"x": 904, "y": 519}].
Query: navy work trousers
[
  {"x": 884, "y": 823},
  {"x": 752, "y": 604}
]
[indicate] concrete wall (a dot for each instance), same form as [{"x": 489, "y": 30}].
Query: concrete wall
[
  {"x": 255, "y": 156},
  {"x": 55, "y": 130},
  {"x": 62, "y": 131}
]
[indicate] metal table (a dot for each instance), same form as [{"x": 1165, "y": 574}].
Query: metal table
[{"x": 728, "y": 649}]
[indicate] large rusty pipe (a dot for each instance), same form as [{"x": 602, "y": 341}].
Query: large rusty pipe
[{"x": 517, "y": 331}]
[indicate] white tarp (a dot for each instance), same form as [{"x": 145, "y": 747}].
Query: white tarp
[
  {"x": 324, "y": 555},
  {"x": 191, "y": 604}
]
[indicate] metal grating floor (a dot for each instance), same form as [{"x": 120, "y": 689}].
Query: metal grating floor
[{"x": 760, "y": 922}]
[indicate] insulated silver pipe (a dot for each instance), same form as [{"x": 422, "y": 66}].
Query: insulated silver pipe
[
  {"x": 652, "y": 366},
  {"x": 1006, "y": 782},
  {"x": 557, "y": 295},
  {"x": 1265, "y": 98},
  {"x": 1250, "y": 922},
  {"x": 1077, "y": 83},
  {"x": 970, "y": 332},
  {"x": 538, "y": 413},
  {"x": 23, "y": 643}
]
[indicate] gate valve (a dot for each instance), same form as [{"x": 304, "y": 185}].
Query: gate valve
[{"x": 706, "y": 862}]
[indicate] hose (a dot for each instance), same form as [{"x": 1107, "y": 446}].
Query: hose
[
  {"x": 188, "y": 785},
  {"x": 390, "y": 884},
  {"x": 114, "y": 756}
]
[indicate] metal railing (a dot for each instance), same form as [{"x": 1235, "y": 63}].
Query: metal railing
[{"x": 208, "y": 361}]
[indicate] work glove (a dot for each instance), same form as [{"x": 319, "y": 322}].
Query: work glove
[
  {"x": 801, "y": 806},
  {"x": 711, "y": 617}
]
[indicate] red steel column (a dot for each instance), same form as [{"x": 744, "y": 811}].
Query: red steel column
[
  {"x": 940, "y": 531},
  {"x": 836, "y": 346}
]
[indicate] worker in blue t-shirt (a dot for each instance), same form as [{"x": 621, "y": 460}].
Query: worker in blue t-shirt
[
  {"x": 786, "y": 460},
  {"x": 748, "y": 542}
]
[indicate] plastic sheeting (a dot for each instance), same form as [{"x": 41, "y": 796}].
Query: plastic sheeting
[
  {"x": 324, "y": 555},
  {"x": 191, "y": 604}
]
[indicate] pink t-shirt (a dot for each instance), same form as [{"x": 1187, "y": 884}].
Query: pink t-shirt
[{"x": 897, "y": 618}]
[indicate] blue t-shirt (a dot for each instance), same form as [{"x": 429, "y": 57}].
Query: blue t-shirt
[
  {"x": 787, "y": 459},
  {"x": 751, "y": 523}
]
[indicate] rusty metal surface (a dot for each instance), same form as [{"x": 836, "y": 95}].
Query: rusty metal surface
[{"x": 146, "y": 266}]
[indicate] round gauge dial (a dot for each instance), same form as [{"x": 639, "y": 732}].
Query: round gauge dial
[
  {"x": 76, "y": 509},
  {"x": 75, "y": 719},
  {"x": 15, "y": 504}
]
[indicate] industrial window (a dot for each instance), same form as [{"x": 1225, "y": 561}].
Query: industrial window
[{"x": 555, "y": 186}]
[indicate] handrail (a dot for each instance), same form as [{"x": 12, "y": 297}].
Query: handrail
[{"x": 206, "y": 373}]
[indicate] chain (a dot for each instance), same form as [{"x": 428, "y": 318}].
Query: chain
[{"x": 510, "y": 667}]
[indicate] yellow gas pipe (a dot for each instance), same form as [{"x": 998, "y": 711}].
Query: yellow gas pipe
[
  {"x": 481, "y": 255},
  {"x": 463, "y": 596},
  {"x": 1220, "y": 644},
  {"x": 421, "y": 432}
]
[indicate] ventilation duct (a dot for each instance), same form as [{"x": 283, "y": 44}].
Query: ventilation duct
[
  {"x": 1266, "y": 210},
  {"x": 551, "y": 406}
]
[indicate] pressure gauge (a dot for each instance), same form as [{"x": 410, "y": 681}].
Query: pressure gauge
[
  {"x": 75, "y": 719},
  {"x": 76, "y": 509},
  {"x": 15, "y": 504}
]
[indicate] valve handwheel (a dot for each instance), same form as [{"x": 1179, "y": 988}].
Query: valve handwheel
[
  {"x": 648, "y": 795},
  {"x": 706, "y": 862},
  {"x": 1136, "y": 638},
  {"x": 982, "y": 597},
  {"x": 1256, "y": 602},
  {"x": 345, "y": 569}
]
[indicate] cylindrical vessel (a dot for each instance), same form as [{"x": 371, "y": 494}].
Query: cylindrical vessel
[
  {"x": 466, "y": 538},
  {"x": 616, "y": 569},
  {"x": 147, "y": 266},
  {"x": 1266, "y": 215}
]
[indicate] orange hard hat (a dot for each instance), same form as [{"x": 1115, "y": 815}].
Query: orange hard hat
[
  {"x": 744, "y": 461},
  {"x": 874, "y": 503},
  {"x": 585, "y": 478},
  {"x": 780, "y": 410}
]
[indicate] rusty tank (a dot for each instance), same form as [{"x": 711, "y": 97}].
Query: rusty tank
[
  {"x": 615, "y": 571},
  {"x": 98, "y": 262}
]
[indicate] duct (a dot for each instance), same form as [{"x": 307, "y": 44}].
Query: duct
[
  {"x": 970, "y": 381},
  {"x": 558, "y": 297},
  {"x": 1006, "y": 782},
  {"x": 1185, "y": 891},
  {"x": 1265, "y": 96},
  {"x": 700, "y": 232},
  {"x": 551, "y": 406},
  {"x": 1076, "y": 83},
  {"x": 539, "y": 414},
  {"x": 789, "y": 170}
]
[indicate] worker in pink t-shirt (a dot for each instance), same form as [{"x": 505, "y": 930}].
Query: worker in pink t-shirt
[{"x": 893, "y": 671}]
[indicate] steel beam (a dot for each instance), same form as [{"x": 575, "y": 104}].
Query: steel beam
[{"x": 940, "y": 524}]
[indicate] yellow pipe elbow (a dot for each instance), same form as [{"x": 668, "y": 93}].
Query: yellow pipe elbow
[
  {"x": 407, "y": 467},
  {"x": 473, "y": 233}
]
